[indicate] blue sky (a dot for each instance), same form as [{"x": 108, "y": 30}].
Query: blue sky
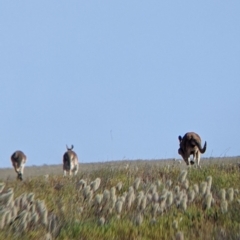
[{"x": 118, "y": 79}]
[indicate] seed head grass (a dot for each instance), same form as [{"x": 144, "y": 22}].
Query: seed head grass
[{"x": 144, "y": 201}]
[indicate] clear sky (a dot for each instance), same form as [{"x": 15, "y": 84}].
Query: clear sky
[{"x": 118, "y": 79}]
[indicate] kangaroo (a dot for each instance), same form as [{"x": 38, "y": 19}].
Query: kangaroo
[
  {"x": 70, "y": 162},
  {"x": 190, "y": 144},
  {"x": 19, "y": 159}
]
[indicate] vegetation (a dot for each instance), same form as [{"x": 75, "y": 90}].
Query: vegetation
[{"x": 139, "y": 200}]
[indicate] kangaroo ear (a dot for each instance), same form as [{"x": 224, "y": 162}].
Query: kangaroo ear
[{"x": 179, "y": 138}]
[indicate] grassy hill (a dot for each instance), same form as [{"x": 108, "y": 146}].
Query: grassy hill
[{"x": 141, "y": 199}]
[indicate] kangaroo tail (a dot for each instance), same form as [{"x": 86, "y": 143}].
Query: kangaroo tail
[{"x": 202, "y": 150}]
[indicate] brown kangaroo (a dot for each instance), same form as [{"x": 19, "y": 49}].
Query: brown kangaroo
[{"x": 190, "y": 144}]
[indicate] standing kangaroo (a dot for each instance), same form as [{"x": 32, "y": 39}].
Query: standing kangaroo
[
  {"x": 190, "y": 144},
  {"x": 19, "y": 159},
  {"x": 70, "y": 162}
]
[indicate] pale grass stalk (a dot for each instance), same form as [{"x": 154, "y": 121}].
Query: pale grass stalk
[
  {"x": 224, "y": 206},
  {"x": 236, "y": 191},
  {"x": 185, "y": 184},
  {"x": 196, "y": 188},
  {"x": 3, "y": 214},
  {"x": 106, "y": 196},
  {"x": 23, "y": 216},
  {"x": 149, "y": 197},
  {"x": 203, "y": 188},
  {"x": 119, "y": 186},
  {"x": 34, "y": 218},
  {"x": 32, "y": 208},
  {"x": 175, "y": 225},
  {"x": 168, "y": 184},
  {"x": 143, "y": 203},
  {"x": 155, "y": 208},
  {"x": 44, "y": 217},
  {"x": 155, "y": 197},
  {"x": 209, "y": 181},
  {"x": 138, "y": 219},
  {"x": 53, "y": 225},
  {"x": 2, "y": 186},
  {"x": 182, "y": 176},
  {"x": 191, "y": 195},
  {"x": 183, "y": 203},
  {"x": 47, "y": 236},
  {"x": 28, "y": 206},
  {"x": 30, "y": 197},
  {"x": 98, "y": 199},
  {"x": 209, "y": 184},
  {"x": 113, "y": 193},
  {"x": 86, "y": 191},
  {"x": 159, "y": 183},
  {"x": 23, "y": 201},
  {"x": 95, "y": 184},
  {"x": 118, "y": 206},
  {"x": 17, "y": 202},
  {"x": 121, "y": 198},
  {"x": 89, "y": 196},
  {"x": 163, "y": 194},
  {"x": 105, "y": 200},
  {"x": 176, "y": 190},
  {"x": 124, "y": 195},
  {"x": 80, "y": 210},
  {"x": 136, "y": 183},
  {"x": 11, "y": 204},
  {"x": 113, "y": 198},
  {"x": 152, "y": 189},
  {"x": 222, "y": 194},
  {"x": 29, "y": 217},
  {"x": 179, "y": 236},
  {"x": 178, "y": 198},
  {"x": 230, "y": 194},
  {"x": 208, "y": 190},
  {"x": 22, "y": 226},
  {"x": 46, "y": 177},
  {"x": 14, "y": 212},
  {"x": 208, "y": 200},
  {"x": 8, "y": 217},
  {"x": 129, "y": 200},
  {"x": 40, "y": 206},
  {"x": 101, "y": 221},
  {"x": 139, "y": 199},
  {"x": 153, "y": 221},
  {"x": 162, "y": 206},
  {"x": 169, "y": 199},
  {"x": 221, "y": 234},
  {"x": 7, "y": 198},
  {"x": 81, "y": 184},
  {"x": 126, "y": 166}
]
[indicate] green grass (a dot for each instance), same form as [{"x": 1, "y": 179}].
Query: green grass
[{"x": 78, "y": 218}]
